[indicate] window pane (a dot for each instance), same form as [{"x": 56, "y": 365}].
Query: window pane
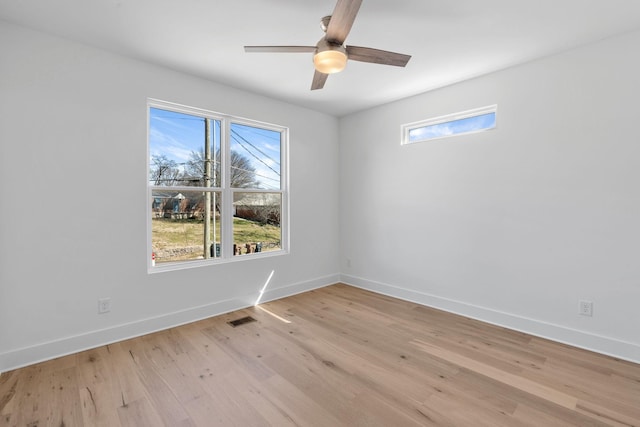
[
  {"x": 454, "y": 127},
  {"x": 255, "y": 157},
  {"x": 177, "y": 149},
  {"x": 256, "y": 222},
  {"x": 179, "y": 222},
  {"x": 464, "y": 122}
]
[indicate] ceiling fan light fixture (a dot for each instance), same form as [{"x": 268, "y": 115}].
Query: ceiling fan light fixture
[
  {"x": 329, "y": 58},
  {"x": 330, "y": 54}
]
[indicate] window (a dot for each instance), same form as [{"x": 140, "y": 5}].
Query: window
[
  {"x": 216, "y": 187},
  {"x": 477, "y": 120}
]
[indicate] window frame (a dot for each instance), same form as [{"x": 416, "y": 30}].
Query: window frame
[
  {"x": 448, "y": 118},
  {"x": 226, "y": 191}
]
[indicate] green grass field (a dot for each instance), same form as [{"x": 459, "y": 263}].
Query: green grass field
[{"x": 171, "y": 235}]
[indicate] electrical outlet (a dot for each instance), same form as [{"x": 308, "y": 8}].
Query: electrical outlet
[
  {"x": 585, "y": 308},
  {"x": 104, "y": 305},
  {"x": 348, "y": 262}
]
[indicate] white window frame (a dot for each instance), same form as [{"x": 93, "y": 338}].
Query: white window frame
[
  {"x": 448, "y": 118},
  {"x": 226, "y": 191}
]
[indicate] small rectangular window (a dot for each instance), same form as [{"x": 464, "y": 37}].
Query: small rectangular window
[{"x": 465, "y": 122}]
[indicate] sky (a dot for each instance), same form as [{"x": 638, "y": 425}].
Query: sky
[
  {"x": 177, "y": 135},
  {"x": 454, "y": 127}
]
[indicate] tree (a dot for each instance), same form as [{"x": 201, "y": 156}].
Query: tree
[
  {"x": 261, "y": 207},
  {"x": 163, "y": 171},
  {"x": 194, "y": 169},
  {"x": 242, "y": 172}
]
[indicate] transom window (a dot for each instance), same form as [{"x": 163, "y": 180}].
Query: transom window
[
  {"x": 217, "y": 187},
  {"x": 465, "y": 122}
]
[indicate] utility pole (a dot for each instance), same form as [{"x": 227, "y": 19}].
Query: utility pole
[{"x": 207, "y": 194}]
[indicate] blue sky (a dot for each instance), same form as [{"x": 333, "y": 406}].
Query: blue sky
[
  {"x": 455, "y": 127},
  {"x": 177, "y": 135},
  {"x": 262, "y": 148}
]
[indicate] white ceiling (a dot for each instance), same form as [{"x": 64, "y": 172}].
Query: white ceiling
[{"x": 449, "y": 41}]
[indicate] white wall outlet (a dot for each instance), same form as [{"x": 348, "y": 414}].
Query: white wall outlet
[
  {"x": 104, "y": 305},
  {"x": 585, "y": 308},
  {"x": 348, "y": 262}
]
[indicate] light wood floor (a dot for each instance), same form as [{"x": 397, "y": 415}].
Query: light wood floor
[{"x": 337, "y": 356}]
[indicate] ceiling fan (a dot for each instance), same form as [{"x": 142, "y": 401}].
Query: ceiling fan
[{"x": 330, "y": 53}]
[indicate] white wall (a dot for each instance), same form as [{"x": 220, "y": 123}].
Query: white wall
[
  {"x": 513, "y": 225},
  {"x": 73, "y": 200}
]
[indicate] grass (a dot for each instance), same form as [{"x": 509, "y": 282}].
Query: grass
[
  {"x": 175, "y": 234},
  {"x": 245, "y": 231}
]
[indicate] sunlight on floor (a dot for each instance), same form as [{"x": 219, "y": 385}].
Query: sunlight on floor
[{"x": 282, "y": 319}]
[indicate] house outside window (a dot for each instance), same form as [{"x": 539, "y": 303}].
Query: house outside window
[{"x": 217, "y": 188}]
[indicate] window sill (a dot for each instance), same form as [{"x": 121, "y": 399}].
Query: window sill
[{"x": 177, "y": 265}]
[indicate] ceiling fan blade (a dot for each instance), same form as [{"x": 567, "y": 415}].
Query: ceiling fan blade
[
  {"x": 280, "y": 49},
  {"x": 377, "y": 56},
  {"x": 319, "y": 80},
  {"x": 342, "y": 19}
]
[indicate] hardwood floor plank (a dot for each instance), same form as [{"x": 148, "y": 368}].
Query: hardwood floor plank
[
  {"x": 126, "y": 386},
  {"x": 158, "y": 391},
  {"x": 374, "y": 410},
  {"x": 338, "y": 356},
  {"x": 139, "y": 413},
  {"x": 8, "y": 389},
  {"x": 63, "y": 407},
  {"x": 533, "y": 416},
  {"x": 501, "y": 375},
  {"x": 610, "y": 415},
  {"x": 96, "y": 388}
]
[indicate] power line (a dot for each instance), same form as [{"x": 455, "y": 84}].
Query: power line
[
  {"x": 253, "y": 155},
  {"x": 257, "y": 149}
]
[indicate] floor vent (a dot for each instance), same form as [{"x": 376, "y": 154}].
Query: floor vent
[{"x": 241, "y": 321}]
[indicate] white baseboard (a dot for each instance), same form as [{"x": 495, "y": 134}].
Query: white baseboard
[
  {"x": 63, "y": 346},
  {"x": 588, "y": 341}
]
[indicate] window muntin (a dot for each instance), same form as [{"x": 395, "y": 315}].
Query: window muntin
[
  {"x": 216, "y": 187},
  {"x": 477, "y": 120}
]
